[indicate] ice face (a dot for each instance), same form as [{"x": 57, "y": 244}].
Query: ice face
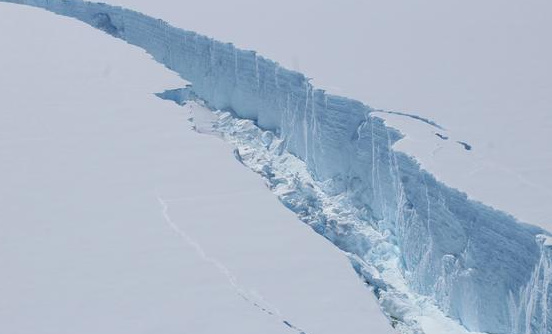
[{"x": 480, "y": 266}]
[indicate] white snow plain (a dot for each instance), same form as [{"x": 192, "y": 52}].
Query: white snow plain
[{"x": 116, "y": 217}]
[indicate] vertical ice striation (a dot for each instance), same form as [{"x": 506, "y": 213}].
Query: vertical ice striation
[
  {"x": 530, "y": 312},
  {"x": 480, "y": 266}
]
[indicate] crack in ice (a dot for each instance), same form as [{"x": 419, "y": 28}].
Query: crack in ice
[
  {"x": 378, "y": 200},
  {"x": 413, "y": 116},
  {"x": 252, "y": 298}
]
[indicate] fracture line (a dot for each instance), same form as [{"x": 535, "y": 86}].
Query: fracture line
[
  {"x": 256, "y": 300},
  {"x": 416, "y": 117}
]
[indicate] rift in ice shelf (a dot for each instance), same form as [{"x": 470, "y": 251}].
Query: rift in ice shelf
[{"x": 420, "y": 244}]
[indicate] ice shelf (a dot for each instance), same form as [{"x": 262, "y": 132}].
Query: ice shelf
[{"x": 478, "y": 265}]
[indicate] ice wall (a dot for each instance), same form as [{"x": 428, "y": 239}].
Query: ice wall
[{"x": 481, "y": 266}]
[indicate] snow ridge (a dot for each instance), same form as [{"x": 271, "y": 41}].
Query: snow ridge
[{"x": 461, "y": 255}]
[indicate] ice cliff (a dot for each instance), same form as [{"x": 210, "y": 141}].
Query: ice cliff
[{"x": 409, "y": 236}]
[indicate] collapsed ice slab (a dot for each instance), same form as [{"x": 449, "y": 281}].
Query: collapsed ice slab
[{"x": 481, "y": 266}]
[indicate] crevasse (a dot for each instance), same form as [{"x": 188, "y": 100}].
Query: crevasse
[{"x": 480, "y": 266}]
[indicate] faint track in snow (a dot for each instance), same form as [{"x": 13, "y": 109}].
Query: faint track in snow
[{"x": 252, "y": 298}]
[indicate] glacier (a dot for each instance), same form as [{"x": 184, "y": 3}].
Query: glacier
[{"x": 418, "y": 243}]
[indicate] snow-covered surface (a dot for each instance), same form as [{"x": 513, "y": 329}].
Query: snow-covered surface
[
  {"x": 481, "y": 69},
  {"x": 116, "y": 217},
  {"x": 396, "y": 220}
]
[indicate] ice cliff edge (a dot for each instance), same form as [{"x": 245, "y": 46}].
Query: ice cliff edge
[{"x": 482, "y": 267}]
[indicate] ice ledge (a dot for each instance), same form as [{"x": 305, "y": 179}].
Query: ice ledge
[
  {"x": 546, "y": 240},
  {"x": 466, "y": 257}
]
